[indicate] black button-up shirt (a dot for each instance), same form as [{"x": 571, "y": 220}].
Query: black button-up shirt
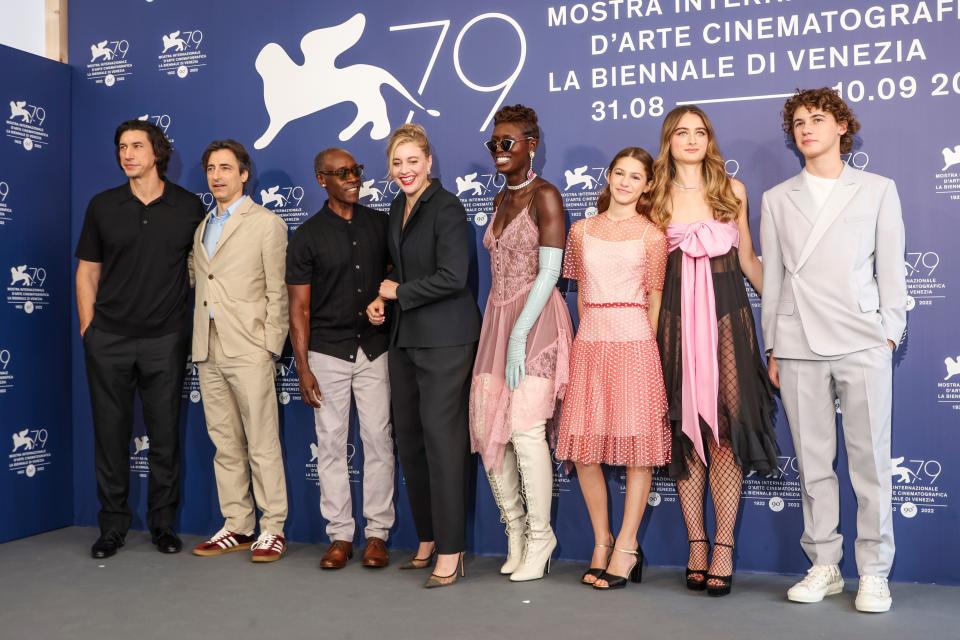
[
  {"x": 344, "y": 262},
  {"x": 143, "y": 251}
]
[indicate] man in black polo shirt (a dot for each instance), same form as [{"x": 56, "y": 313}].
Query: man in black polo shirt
[
  {"x": 132, "y": 287},
  {"x": 335, "y": 262}
]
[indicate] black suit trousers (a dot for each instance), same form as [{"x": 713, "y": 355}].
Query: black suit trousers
[
  {"x": 430, "y": 393},
  {"x": 117, "y": 368}
]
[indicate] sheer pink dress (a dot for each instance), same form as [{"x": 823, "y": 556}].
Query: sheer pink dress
[
  {"x": 495, "y": 411},
  {"x": 615, "y": 408}
]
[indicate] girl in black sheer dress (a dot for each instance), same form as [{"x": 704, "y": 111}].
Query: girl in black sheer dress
[{"x": 721, "y": 401}]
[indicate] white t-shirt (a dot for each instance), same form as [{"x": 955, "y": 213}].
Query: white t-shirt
[{"x": 820, "y": 189}]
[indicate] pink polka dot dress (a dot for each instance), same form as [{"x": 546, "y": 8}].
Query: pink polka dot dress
[{"x": 615, "y": 408}]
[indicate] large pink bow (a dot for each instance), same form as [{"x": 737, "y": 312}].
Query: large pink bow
[{"x": 699, "y": 242}]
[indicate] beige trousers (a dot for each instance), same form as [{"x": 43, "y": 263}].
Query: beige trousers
[{"x": 240, "y": 407}]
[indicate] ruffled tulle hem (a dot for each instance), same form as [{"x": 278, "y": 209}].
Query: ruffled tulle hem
[{"x": 630, "y": 451}]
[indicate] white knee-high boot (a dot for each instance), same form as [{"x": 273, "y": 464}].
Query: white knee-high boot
[
  {"x": 536, "y": 473},
  {"x": 505, "y": 484}
]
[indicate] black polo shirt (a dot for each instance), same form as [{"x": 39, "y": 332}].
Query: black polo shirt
[
  {"x": 344, "y": 262},
  {"x": 143, "y": 254}
]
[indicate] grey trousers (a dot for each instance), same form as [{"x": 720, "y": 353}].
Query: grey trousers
[
  {"x": 863, "y": 381},
  {"x": 369, "y": 384}
]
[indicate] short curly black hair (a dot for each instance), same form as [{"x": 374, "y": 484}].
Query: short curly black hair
[
  {"x": 519, "y": 114},
  {"x": 824, "y": 99}
]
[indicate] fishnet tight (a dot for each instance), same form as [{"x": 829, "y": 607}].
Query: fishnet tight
[{"x": 726, "y": 477}]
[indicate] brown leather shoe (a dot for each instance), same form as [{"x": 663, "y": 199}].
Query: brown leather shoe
[
  {"x": 376, "y": 555},
  {"x": 337, "y": 555}
]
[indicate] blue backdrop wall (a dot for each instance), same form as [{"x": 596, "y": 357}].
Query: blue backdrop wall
[
  {"x": 290, "y": 78},
  {"x": 35, "y": 411}
]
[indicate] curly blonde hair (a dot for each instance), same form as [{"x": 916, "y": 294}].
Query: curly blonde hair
[{"x": 718, "y": 188}]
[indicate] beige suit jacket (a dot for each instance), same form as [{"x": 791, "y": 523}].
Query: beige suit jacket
[
  {"x": 833, "y": 282},
  {"x": 243, "y": 282}
]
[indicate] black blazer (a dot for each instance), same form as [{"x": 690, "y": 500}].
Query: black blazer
[{"x": 431, "y": 262}]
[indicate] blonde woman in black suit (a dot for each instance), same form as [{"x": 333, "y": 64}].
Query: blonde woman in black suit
[{"x": 433, "y": 341}]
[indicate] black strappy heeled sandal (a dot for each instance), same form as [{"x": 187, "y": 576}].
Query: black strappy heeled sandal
[
  {"x": 701, "y": 583},
  {"x": 596, "y": 571},
  {"x": 726, "y": 582},
  {"x": 619, "y": 582}
]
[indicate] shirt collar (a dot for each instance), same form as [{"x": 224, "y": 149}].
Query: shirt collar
[
  {"x": 331, "y": 215},
  {"x": 229, "y": 211},
  {"x": 166, "y": 195}
]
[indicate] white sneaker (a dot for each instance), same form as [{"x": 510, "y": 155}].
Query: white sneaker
[
  {"x": 873, "y": 595},
  {"x": 821, "y": 580}
]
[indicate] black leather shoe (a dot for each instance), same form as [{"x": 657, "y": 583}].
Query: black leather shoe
[
  {"x": 107, "y": 544},
  {"x": 167, "y": 541}
]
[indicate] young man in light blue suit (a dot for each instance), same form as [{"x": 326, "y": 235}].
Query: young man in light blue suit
[{"x": 834, "y": 310}]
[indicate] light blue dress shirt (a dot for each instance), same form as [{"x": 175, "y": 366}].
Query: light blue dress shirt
[{"x": 214, "y": 229}]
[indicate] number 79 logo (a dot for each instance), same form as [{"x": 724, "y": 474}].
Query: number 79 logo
[{"x": 503, "y": 86}]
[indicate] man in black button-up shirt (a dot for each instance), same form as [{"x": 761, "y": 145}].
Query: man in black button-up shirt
[
  {"x": 335, "y": 263},
  {"x": 132, "y": 288}
]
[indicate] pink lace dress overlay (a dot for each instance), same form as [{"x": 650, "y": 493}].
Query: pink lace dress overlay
[
  {"x": 615, "y": 409},
  {"x": 496, "y": 412}
]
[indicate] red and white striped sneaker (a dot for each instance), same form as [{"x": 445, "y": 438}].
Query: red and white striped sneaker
[
  {"x": 222, "y": 542},
  {"x": 268, "y": 548}
]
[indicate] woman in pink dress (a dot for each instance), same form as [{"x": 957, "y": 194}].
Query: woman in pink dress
[
  {"x": 721, "y": 402},
  {"x": 521, "y": 368},
  {"x": 615, "y": 409}
]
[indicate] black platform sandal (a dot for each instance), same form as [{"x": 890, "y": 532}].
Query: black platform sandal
[
  {"x": 726, "y": 582},
  {"x": 701, "y": 583}
]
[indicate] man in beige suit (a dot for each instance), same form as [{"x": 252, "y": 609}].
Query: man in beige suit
[
  {"x": 833, "y": 311},
  {"x": 239, "y": 327}
]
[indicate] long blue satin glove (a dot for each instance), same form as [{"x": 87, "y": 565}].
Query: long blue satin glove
[{"x": 550, "y": 260}]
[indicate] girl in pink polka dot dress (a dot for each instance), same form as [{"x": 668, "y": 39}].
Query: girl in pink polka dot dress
[{"x": 615, "y": 409}]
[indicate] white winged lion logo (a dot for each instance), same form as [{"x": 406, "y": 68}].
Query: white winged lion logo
[
  {"x": 141, "y": 444},
  {"x": 950, "y": 157},
  {"x": 953, "y": 367},
  {"x": 469, "y": 183},
  {"x": 173, "y": 41},
  {"x": 100, "y": 50},
  {"x": 579, "y": 177},
  {"x": 292, "y": 91},
  {"x": 272, "y": 197},
  {"x": 23, "y": 440}
]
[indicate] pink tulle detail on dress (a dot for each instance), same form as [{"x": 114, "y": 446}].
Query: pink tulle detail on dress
[{"x": 495, "y": 412}]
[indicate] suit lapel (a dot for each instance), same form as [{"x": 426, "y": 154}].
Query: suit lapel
[
  {"x": 410, "y": 220},
  {"x": 234, "y": 221},
  {"x": 799, "y": 194},
  {"x": 433, "y": 187},
  {"x": 845, "y": 188},
  {"x": 200, "y": 251},
  {"x": 396, "y": 220}
]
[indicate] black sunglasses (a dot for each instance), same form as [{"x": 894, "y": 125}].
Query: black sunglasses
[
  {"x": 342, "y": 173},
  {"x": 504, "y": 143}
]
